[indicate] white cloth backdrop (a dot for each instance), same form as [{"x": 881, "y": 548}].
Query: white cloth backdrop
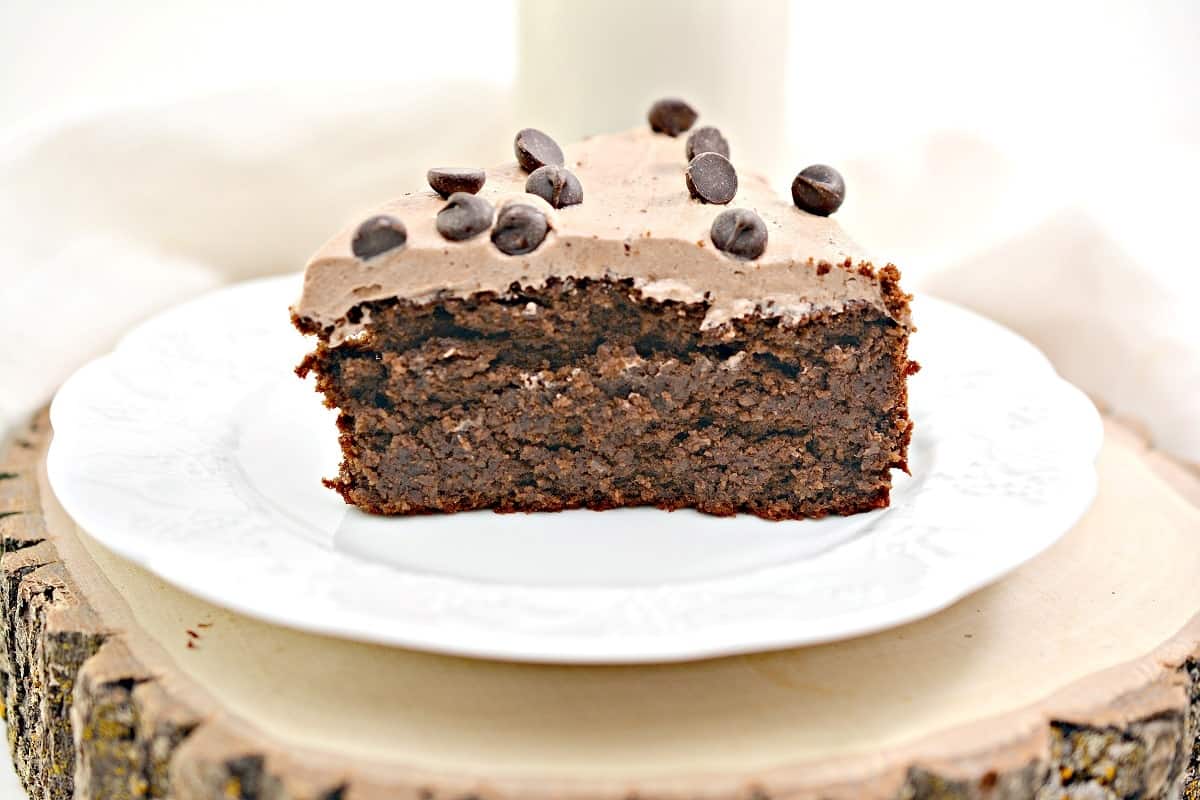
[{"x": 1036, "y": 161}]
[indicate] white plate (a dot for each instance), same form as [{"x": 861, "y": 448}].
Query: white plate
[{"x": 194, "y": 451}]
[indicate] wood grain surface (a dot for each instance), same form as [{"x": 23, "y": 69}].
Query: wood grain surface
[{"x": 1075, "y": 677}]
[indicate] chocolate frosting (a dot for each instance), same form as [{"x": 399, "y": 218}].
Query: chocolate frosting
[{"x": 637, "y": 222}]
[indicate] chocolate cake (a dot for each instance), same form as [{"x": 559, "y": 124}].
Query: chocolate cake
[{"x": 616, "y": 325}]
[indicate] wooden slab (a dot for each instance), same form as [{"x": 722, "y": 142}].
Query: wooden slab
[{"x": 1075, "y": 677}]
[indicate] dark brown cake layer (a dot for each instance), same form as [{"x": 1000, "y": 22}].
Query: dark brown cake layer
[{"x": 586, "y": 394}]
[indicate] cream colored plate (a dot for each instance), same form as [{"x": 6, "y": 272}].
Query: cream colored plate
[{"x": 194, "y": 451}]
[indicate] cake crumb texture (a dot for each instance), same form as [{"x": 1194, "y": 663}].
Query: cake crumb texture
[{"x": 586, "y": 394}]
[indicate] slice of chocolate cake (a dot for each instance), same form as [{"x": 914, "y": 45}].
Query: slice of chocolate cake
[{"x": 621, "y": 326}]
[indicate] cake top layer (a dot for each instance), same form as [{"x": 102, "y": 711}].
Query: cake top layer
[{"x": 637, "y": 221}]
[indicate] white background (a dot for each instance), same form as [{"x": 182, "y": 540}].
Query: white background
[{"x": 1035, "y": 159}]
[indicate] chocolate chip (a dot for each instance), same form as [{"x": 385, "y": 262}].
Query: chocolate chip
[
  {"x": 706, "y": 140},
  {"x": 535, "y": 149},
  {"x": 819, "y": 190},
  {"x": 448, "y": 180},
  {"x": 711, "y": 178},
  {"x": 519, "y": 229},
  {"x": 739, "y": 232},
  {"x": 671, "y": 116},
  {"x": 464, "y": 216},
  {"x": 378, "y": 235},
  {"x": 558, "y": 186}
]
